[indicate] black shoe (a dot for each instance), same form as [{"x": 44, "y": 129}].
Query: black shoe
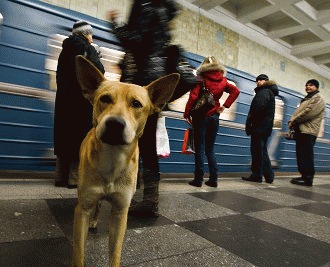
[
  {"x": 60, "y": 184},
  {"x": 301, "y": 181},
  {"x": 72, "y": 186},
  {"x": 143, "y": 210},
  {"x": 269, "y": 181},
  {"x": 297, "y": 179},
  {"x": 211, "y": 184},
  {"x": 195, "y": 183},
  {"x": 251, "y": 179}
]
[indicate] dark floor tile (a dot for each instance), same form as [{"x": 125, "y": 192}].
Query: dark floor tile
[
  {"x": 310, "y": 195},
  {"x": 63, "y": 211},
  {"x": 261, "y": 243},
  {"x": 236, "y": 201},
  {"x": 316, "y": 208},
  {"x": 53, "y": 252},
  {"x": 26, "y": 219}
]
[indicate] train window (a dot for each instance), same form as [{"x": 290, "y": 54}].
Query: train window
[
  {"x": 179, "y": 104},
  {"x": 279, "y": 113},
  {"x": 54, "y": 50},
  {"x": 109, "y": 58},
  {"x": 229, "y": 114}
]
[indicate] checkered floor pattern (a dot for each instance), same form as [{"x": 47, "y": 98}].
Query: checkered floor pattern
[{"x": 238, "y": 224}]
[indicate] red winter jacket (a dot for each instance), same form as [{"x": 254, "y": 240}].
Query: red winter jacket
[{"x": 216, "y": 84}]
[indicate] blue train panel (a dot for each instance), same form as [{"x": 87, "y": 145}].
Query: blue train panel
[
  {"x": 26, "y": 135},
  {"x": 27, "y": 98}
]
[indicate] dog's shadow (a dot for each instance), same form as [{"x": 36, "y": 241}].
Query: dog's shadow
[
  {"x": 63, "y": 211},
  {"x": 97, "y": 243}
]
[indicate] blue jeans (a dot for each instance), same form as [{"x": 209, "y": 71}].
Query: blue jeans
[{"x": 205, "y": 132}]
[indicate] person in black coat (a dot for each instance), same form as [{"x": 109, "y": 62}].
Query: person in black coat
[
  {"x": 145, "y": 39},
  {"x": 73, "y": 113},
  {"x": 259, "y": 125}
]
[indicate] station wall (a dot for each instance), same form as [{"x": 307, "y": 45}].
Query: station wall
[{"x": 200, "y": 35}]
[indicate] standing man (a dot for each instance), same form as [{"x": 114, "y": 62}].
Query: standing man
[
  {"x": 73, "y": 113},
  {"x": 259, "y": 125},
  {"x": 306, "y": 122}
]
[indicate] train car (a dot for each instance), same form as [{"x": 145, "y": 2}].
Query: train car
[{"x": 31, "y": 34}]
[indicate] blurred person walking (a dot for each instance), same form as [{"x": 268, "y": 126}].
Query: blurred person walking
[
  {"x": 145, "y": 39},
  {"x": 73, "y": 113},
  {"x": 306, "y": 122}
]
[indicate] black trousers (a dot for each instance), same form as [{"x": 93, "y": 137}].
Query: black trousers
[
  {"x": 305, "y": 155},
  {"x": 147, "y": 145},
  {"x": 261, "y": 165}
]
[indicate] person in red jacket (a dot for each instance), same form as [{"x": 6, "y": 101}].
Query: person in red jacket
[{"x": 206, "y": 125}]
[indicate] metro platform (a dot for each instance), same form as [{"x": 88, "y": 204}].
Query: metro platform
[{"x": 237, "y": 224}]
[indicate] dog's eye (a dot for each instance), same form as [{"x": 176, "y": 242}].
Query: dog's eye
[
  {"x": 136, "y": 104},
  {"x": 106, "y": 99}
]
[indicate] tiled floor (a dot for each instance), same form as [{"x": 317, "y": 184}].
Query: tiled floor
[{"x": 237, "y": 224}]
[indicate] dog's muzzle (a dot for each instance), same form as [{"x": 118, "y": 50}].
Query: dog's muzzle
[{"x": 113, "y": 133}]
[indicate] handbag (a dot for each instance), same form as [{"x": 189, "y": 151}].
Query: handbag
[
  {"x": 162, "y": 140},
  {"x": 204, "y": 103},
  {"x": 291, "y": 135},
  {"x": 188, "y": 147}
]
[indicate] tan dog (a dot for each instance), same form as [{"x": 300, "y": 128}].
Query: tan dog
[{"x": 109, "y": 153}]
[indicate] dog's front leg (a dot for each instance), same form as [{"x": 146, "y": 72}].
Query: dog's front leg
[
  {"x": 80, "y": 231},
  {"x": 94, "y": 218},
  {"x": 117, "y": 228}
]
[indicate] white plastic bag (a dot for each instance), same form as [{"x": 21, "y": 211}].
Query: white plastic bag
[{"x": 162, "y": 140}]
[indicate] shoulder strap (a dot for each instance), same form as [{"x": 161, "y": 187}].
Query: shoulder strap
[{"x": 203, "y": 87}]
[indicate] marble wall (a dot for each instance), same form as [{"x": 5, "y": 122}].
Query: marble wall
[{"x": 200, "y": 35}]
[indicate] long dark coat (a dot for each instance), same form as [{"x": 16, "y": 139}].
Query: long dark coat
[
  {"x": 145, "y": 38},
  {"x": 260, "y": 118},
  {"x": 73, "y": 113}
]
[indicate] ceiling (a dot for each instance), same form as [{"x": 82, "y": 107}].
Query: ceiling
[{"x": 296, "y": 29}]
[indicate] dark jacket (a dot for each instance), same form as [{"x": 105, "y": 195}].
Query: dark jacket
[
  {"x": 262, "y": 110},
  {"x": 216, "y": 84},
  {"x": 145, "y": 38},
  {"x": 73, "y": 113}
]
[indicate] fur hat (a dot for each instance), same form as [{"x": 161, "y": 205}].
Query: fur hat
[
  {"x": 82, "y": 27},
  {"x": 263, "y": 77},
  {"x": 209, "y": 64},
  {"x": 314, "y": 82}
]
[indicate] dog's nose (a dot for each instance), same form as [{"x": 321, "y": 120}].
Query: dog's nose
[{"x": 114, "y": 132}]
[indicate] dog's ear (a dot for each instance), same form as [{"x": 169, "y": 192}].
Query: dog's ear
[
  {"x": 161, "y": 90},
  {"x": 89, "y": 77}
]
